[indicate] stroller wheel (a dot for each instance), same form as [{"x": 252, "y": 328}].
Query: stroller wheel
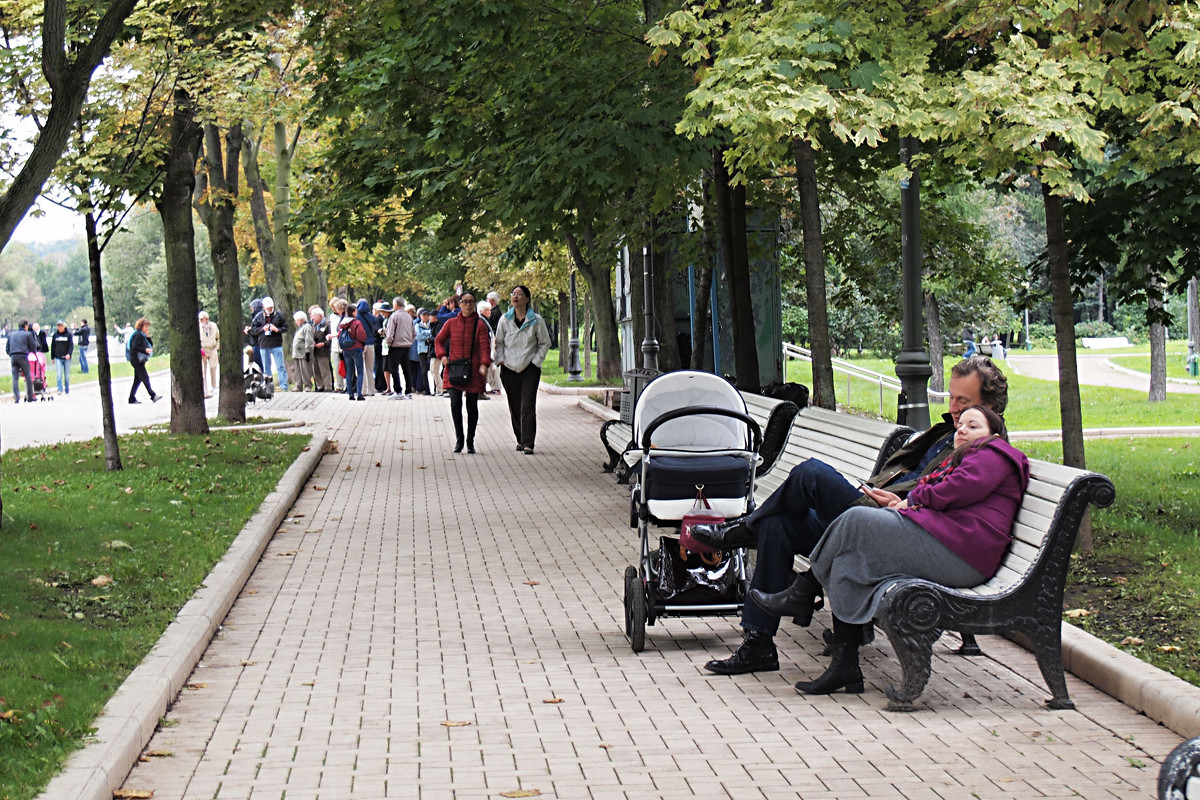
[{"x": 635, "y": 609}]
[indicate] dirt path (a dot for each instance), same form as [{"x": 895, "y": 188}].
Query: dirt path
[{"x": 1094, "y": 370}]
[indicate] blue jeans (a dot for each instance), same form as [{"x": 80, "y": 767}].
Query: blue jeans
[
  {"x": 354, "y": 372},
  {"x": 62, "y": 371},
  {"x": 790, "y": 523},
  {"x": 275, "y": 354},
  {"x": 83, "y": 358}
]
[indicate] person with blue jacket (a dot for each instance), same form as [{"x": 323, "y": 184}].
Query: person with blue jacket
[{"x": 371, "y": 324}]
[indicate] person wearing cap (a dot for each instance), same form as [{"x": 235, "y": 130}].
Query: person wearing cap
[
  {"x": 424, "y": 345},
  {"x": 62, "y": 345},
  {"x": 399, "y": 334},
  {"x": 210, "y": 346},
  {"x": 270, "y": 326}
]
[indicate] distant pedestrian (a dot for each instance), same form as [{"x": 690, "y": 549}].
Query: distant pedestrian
[
  {"x": 302, "y": 351},
  {"x": 424, "y": 345},
  {"x": 62, "y": 346},
  {"x": 271, "y": 325},
  {"x": 322, "y": 372},
  {"x": 464, "y": 338},
  {"x": 140, "y": 347},
  {"x": 40, "y": 336},
  {"x": 84, "y": 335},
  {"x": 337, "y": 309},
  {"x": 522, "y": 342},
  {"x": 400, "y": 332},
  {"x": 19, "y": 344},
  {"x": 352, "y": 338},
  {"x": 210, "y": 348},
  {"x": 371, "y": 327}
]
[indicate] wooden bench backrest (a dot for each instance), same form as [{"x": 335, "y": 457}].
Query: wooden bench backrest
[
  {"x": 1047, "y": 484},
  {"x": 849, "y": 444}
]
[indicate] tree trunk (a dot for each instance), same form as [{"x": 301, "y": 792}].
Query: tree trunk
[
  {"x": 312, "y": 282},
  {"x": 1158, "y": 351},
  {"x": 175, "y": 208},
  {"x": 69, "y": 87},
  {"x": 664, "y": 303},
  {"x": 222, "y": 176},
  {"x": 937, "y": 347},
  {"x": 1193, "y": 312},
  {"x": 704, "y": 274},
  {"x": 1063, "y": 303},
  {"x": 282, "y": 218},
  {"x": 263, "y": 236},
  {"x": 823, "y": 394},
  {"x": 112, "y": 447},
  {"x": 731, "y": 215},
  {"x": 598, "y": 275}
]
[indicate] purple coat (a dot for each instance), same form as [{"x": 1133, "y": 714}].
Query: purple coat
[{"x": 971, "y": 510}]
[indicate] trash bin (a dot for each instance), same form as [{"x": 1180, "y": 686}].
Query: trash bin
[
  {"x": 1193, "y": 365},
  {"x": 635, "y": 381}
]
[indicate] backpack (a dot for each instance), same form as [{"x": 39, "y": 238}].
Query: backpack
[{"x": 346, "y": 339}]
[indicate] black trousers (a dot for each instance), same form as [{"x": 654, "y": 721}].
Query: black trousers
[
  {"x": 456, "y": 402},
  {"x": 140, "y": 377},
  {"x": 521, "y": 389},
  {"x": 20, "y": 366},
  {"x": 398, "y": 366}
]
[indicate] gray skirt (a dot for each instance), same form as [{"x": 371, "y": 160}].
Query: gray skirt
[{"x": 865, "y": 549}]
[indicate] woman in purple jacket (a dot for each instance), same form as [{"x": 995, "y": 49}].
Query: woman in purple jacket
[{"x": 953, "y": 529}]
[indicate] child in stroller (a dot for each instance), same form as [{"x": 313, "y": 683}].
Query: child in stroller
[{"x": 37, "y": 367}]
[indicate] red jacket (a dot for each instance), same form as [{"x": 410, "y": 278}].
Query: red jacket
[{"x": 454, "y": 342}]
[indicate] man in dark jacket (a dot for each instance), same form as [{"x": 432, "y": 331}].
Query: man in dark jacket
[
  {"x": 20, "y": 344},
  {"x": 270, "y": 326},
  {"x": 62, "y": 347},
  {"x": 84, "y": 335},
  {"x": 795, "y": 516}
]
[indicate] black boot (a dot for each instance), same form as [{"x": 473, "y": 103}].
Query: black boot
[
  {"x": 728, "y": 535},
  {"x": 844, "y": 672},
  {"x": 799, "y": 600},
  {"x": 755, "y": 654}
]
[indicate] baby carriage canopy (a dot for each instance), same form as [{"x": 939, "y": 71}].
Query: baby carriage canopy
[{"x": 690, "y": 389}]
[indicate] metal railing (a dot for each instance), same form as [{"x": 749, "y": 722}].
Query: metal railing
[{"x": 853, "y": 371}]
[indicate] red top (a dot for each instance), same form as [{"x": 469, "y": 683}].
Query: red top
[{"x": 454, "y": 341}]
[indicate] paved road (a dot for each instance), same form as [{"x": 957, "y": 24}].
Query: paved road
[
  {"x": 1094, "y": 370},
  {"x": 434, "y": 626}
]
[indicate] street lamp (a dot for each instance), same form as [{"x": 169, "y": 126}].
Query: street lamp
[
  {"x": 912, "y": 365},
  {"x": 649, "y": 342},
  {"x": 574, "y": 371}
]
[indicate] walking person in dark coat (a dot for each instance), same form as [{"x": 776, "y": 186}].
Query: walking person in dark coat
[
  {"x": 20, "y": 343},
  {"x": 140, "y": 348}
]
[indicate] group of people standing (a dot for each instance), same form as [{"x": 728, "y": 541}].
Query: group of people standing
[
  {"x": 396, "y": 350},
  {"x": 28, "y": 344}
]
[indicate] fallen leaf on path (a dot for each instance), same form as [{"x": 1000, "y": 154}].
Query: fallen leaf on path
[
  {"x": 456, "y": 723},
  {"x": 378, "y": 464},
  {"x": 1132, "y": 640},
  {"x": 1076, "y": 613},
  {"x": 531, "y": 583},
  {"x": 288, "y": 553},
  {"x": 1168, "y": 648},
  {"x": 133, "y": 793},
  {"x": 197, "y": 686},
  {"x": 318, "y": 488},
  {"x": 348, "y": 469},
  {"x": 553, "y": 700},
  {"x": 605, "y": 746},
  {"x": 248, "y": 663},
  {"x": 522, "y": 793}
]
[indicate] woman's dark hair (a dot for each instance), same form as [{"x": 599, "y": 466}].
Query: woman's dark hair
[
  {"x": 525, "y": 289},
  {"x": 995, "y": 425}
]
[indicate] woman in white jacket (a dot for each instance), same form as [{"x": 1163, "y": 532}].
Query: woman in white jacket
[{"x": 522, "y": 342}]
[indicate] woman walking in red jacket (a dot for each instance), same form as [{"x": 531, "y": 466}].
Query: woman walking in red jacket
[{"x": 464, "y": 347}]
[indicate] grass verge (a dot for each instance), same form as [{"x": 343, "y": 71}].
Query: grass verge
[
  {"x": 1140, "y": 589},
  {"x": 554, "y": 374},
  {"x": 94, "y": 565}
]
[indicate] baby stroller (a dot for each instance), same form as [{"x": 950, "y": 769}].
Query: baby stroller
[
  {"x": 692, "y": 436},
  {"x": 258, "y": 386},
  {"x": 37, "y": 368}
]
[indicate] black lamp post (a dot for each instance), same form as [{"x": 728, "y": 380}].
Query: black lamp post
[
  {"x": 649, "y": 342},
  {"x": 912, "y": 365},
  {"x": 574, "y": 371}
]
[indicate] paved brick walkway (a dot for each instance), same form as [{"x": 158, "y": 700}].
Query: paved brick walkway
[{"x": 435, "y": 626}]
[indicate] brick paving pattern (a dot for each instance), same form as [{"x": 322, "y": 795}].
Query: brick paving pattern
[{"x": 428, "y": 625}]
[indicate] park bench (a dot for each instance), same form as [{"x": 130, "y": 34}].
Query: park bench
[
  {"x": 774, "y": 418},
  {"x": 1025, "y": 595}
]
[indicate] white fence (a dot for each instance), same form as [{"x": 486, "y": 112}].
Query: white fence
[{"x": 853, "y": 372}]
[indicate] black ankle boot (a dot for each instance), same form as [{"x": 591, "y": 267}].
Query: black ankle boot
[
  {"x": 843, "y": 673},
  {"x": 728, "y": 535},
  {"x": 755, "y": 654},
  {"x": 799, "y": 600},
  {"x": 458, "y": 446}
]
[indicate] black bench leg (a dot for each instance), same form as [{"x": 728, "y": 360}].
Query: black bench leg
[
  {"x": 915, "y": 653},
  {"x": 969, "y": 646},
  {"x": 1047, "y": 647},
  {"x": 613, "y": 455}
]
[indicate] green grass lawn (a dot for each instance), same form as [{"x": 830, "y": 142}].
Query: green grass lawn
[
  {"x": 1176, "y": 363},
  {"x": 552, "y": 373},
  {"x": 95, "y": 564},
  {"x": 1140, "y": 590}
]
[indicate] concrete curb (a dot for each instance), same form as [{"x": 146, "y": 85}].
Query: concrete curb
[
  {"x": 550, "y": 388},
  {"x": 1110, "y": 433},
  {"x": 1126, "y": 370},
  {"x": 597, "y": 409},
  {"x": 1158, "y": 694},
  {"x": 132, "y": 714}
]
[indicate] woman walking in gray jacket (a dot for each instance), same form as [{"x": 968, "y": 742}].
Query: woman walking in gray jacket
[{"x": 522, "y": 342}]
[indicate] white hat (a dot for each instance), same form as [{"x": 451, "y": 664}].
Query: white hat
[{"x": 268, "y": 302}]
